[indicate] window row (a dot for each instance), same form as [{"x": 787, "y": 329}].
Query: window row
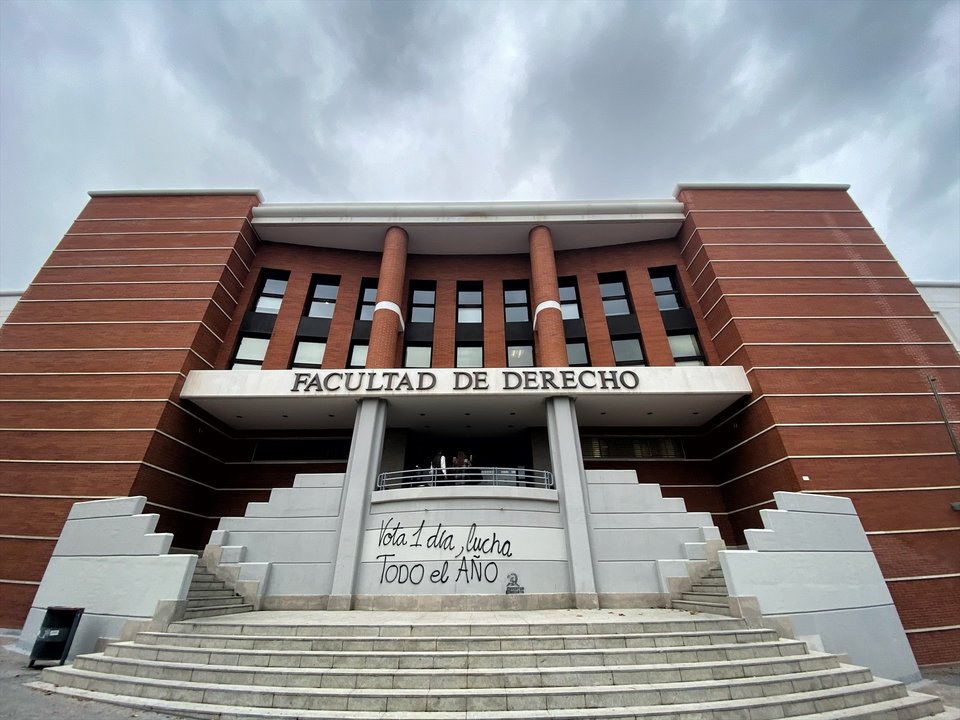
[{"x": 625, "y": 336}]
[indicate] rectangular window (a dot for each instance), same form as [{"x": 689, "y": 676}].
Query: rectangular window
[
  {"x": 631, "y": 448},
  {"x": 308, "y": 354},
  {"x": 368, "y": 299},
  {"x": 271, "y": 293},
  {"x": 423, "y": 298},
  {"x": 358, "y": 355},
  {"x": 613, "y": 290},
  {"x": 469, "y": 302},
  {"x": 417, "y": 356},
  {"x": 323, "y": 296},
  {"x": 516, "y": 301},
  {"x": 469, "y": 356},
  {"x": 519, "y": 355},
  {"x": 569, "y": 299},
  {"x": 686, "y": 350},
  {"x": 577, "y": 354},
  {"x": 627, "y": 351},
  {"x": 250, "y": 353},
  {"x": 666, "y": 289}
]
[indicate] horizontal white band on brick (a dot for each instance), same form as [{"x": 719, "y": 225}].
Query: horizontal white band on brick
[
  {"x": 40, "y": 430},
  {"x": 122, "y": 322},
  {"x": 932, "y": 629},
  {"x": 60, "y": 497},
  {"x": 99, "y": 372},
  {"x": 82, "y": 400},
  {"x": 392, "y": 307},
  {"x": 923, "y": 577},
  {"x": 19, "y": 582},
  {"x": 151, "y": 249},
  {"x": 832, "y": 344},
  {"x": 27, "y": 537},
  {"x": 824, "y": 491},
  {"x": 225, "y": 266},
  {"x": 763, "y": 210},
  {"x": 545, "y": 305},
  {"x": 142, "y": 249},
  {"x": 913, "y": 531},
  {"x": 850, "y": 367},
  {"x": 165, "y": 219},
  {"x": 143, "y": 282},
  {"x": 779, "y": 260},
  {"x": 869, "y": 279},
  {"x": 134, "y": 299},
  {"x": 152, "y": 232},
  {"x": 704, "y": 245},
  {"x": 785, "y": 227}
]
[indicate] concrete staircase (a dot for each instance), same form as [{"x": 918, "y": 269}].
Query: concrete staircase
[
  {"x": 708, "y": 594},
  {"x": 210, "y": 597},
  {"x": 650, "y": 664}
]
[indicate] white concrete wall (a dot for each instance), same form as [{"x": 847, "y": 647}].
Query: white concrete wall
[
  {"x": 636, "y": 533},
  {"x": 289, "y": 543},
  {"x": 108, "y": 561},
  {"x": 399, "y": 558},
  {"x": 812, "y": 565}
]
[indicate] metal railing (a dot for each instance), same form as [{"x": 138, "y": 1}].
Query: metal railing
[{"x": 497, "y": 476}]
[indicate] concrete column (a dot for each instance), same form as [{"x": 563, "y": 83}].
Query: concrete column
[
  {"x": 548, "y": 324},
  {"x": 387, "y": 319},
  {"x": 362, "y": 467},
  {"x": 567, "y": 460}
]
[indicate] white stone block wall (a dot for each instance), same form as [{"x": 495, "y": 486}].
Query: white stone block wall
[
  {"x": 639, "y": 537},
  {"x": 289, "y": 543},
  {"x": 108, "y": 561},
  {"x": 812, "y": 565}
]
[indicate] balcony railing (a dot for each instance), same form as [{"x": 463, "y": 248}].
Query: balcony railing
[{"x": 494, "y": 476}]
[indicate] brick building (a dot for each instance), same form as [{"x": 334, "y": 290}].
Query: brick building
[{"x": 855, "y": 389}]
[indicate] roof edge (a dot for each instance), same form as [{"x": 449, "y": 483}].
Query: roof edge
[
  {"x": 758, "y": 186},
  {"x": 552, "y": 208},
  {"x": 180, "y": 192}
]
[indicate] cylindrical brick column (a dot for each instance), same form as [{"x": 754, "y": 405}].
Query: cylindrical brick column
[
  {"x": 548, "y": 323},
  {"x": 387, "y": 319}
]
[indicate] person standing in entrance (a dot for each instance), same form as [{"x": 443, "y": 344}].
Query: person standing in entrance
[{"x": 439, "y": 465}]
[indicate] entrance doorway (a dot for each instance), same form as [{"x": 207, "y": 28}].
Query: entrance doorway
[{"x": 514, "y": 450}]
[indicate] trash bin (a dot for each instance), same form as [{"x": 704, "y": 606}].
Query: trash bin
[{"x": 56, "y": 634}]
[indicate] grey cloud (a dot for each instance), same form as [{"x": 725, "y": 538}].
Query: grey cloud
[{"x": 325, "y": 101}]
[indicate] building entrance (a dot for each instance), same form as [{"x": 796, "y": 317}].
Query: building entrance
[{"x": 514, "y": 450}]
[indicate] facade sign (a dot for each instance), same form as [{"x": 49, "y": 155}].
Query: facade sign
[{"x": 446, "y": 382}]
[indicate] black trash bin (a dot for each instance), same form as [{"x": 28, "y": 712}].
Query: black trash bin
[{"x": 56, "y": 634}]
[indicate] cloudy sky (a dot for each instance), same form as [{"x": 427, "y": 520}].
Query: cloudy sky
[{"x": 357, "y": 101}]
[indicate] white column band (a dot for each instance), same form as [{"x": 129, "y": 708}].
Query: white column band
[
  {"x": 393, "y": 307},
  {"x": 544, "y": 306}
]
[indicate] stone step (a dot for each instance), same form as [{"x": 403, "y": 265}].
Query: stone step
[
  {"x": 762, "y": 670},
  {"x": 216, "y": 601},
  {"x": 210, "y": 593},
  {"x": 473, "y": 642},
  {"x": 683, "y": 623},
  {"x": 911, "y": 707},
  {"x": 204, "y": 576},
  {"x": 207, "y": 584},
  {"x": 714, "y": 608},
  {"x": 216, "y": 610},
  {"x": 710, "y": 597},
  {"x": 463, "y": 659},
  {"x": 719, "y": 581},
  {"x": 681, "y": 699}
]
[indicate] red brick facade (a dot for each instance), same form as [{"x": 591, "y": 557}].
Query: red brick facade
[{"x": 792, "y": 285}]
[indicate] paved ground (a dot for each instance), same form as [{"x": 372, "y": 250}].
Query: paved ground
[{"x": 18, "y": 702}]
